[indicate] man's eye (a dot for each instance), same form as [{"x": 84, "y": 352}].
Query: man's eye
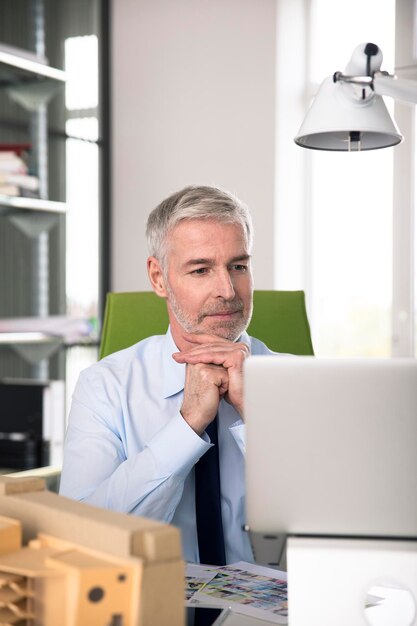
[
  {"x": 199, "y": 271},
  {"x": 239, "y": 268}
]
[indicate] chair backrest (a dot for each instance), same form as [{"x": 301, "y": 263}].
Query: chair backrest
[{"x": 279, "y": 320}]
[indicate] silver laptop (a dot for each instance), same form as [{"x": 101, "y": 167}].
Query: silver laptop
[{"x": 331, "y": 446}]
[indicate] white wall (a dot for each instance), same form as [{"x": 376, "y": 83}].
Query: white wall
[{"x": 193, "y": 102}]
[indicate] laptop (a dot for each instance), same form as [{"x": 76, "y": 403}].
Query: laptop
[{"x": 331, "y": 446}]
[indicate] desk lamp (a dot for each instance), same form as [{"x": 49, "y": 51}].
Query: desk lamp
[{"x": 349, "y": 113}]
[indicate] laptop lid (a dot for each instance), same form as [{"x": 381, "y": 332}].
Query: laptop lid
[{"x": 331, "y": 446}]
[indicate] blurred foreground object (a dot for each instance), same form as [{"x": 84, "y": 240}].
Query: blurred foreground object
[{"x": 83, "y": 565}]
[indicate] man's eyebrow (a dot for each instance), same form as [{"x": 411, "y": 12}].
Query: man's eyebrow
[
  {"x": 192, "y": 262},
  {"x": 242, "y": 257}
]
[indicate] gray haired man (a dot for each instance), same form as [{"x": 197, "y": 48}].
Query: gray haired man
[{"x": 145, "y": 420}]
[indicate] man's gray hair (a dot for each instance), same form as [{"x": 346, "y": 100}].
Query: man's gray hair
[{"x": 194, "y": 202}]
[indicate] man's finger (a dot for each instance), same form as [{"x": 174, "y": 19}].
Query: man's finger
[
  {"x": 202, "y": 338},
  {"x": 225, "y": 358},
  {"x": 213, "y": 351},
  {"x": 214, "y": 347}
]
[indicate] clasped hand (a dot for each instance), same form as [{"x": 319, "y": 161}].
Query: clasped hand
[{"x": 214, "y": 370}]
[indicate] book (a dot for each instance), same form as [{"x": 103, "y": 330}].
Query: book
[
  {"x": 12, "y": 163},
  {"x": 14, "y": 148},
  {"x": 24, "y": 181},
  {"x": 9, "y": 190},
  {"x": 9, "y": 155},
  {"x": 18, "y": 192}
]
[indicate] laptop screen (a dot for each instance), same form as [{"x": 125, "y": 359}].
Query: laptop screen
[{"x": 331, "y": 446}]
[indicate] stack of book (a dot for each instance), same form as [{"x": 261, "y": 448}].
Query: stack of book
[{"x": 15, "y": 179}]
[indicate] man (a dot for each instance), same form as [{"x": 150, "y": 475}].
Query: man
[{"x": 143, "y": 420}]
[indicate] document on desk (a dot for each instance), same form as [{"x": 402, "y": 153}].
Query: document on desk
[{"x": 244, "y": 587}]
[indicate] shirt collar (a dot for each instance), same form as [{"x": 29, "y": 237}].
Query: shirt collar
[{"x": 173, "y": 372}]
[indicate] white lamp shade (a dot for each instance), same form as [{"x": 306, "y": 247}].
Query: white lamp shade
[{"x": 338, "y": 120}]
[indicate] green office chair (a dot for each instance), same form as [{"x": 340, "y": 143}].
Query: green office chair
[{"x": 279, "y": 320}]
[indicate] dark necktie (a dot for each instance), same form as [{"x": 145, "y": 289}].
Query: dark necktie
[{"x": 208, "y": 504}]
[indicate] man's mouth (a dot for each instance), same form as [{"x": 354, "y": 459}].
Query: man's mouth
[{"x": 224, "y": 314}]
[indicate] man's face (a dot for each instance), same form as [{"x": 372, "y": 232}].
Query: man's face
[{"x": 208, "y": 279}]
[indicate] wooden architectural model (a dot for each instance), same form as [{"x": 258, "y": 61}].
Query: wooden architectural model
[{"x": 64, "y": 563}]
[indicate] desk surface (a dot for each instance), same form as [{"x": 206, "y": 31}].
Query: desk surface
[{"x": 397, "y": 607}]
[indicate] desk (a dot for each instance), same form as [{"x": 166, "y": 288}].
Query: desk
[
  {"x": 329, "y": 579},
  {"x": 396, "y": 609}
]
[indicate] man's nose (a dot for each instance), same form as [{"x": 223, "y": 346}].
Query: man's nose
[{"x": 224, "y": 286}]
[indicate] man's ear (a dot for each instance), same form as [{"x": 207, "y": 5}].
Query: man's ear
[{"x": 156, "y": 277}]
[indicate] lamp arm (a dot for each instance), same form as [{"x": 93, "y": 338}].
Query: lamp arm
[
  {"x": 364, "y": 81},
  {"x": 383, "y": 84},
  {"x": 398, "y": 88}
]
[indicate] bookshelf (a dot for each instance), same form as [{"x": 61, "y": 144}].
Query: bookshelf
[
  {"x": 47, "y": 237},
  {"x": 32, "y": 243},
  {"x": 28, "y": 223}
]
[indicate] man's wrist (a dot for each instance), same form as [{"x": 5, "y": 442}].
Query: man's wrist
[{"x": 196, "y": 422}]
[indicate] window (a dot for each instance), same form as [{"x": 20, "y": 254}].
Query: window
[
  {"x": 82, "y": 176},
  {"x": 340, "y": 223}
]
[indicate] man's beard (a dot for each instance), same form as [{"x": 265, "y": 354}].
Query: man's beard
[{"x": 227, "y": 329}]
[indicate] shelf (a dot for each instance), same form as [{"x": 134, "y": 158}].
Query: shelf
[
  {"x": 60, "y": 329},
  {"x": 29, "y": 338},
  {"x": 21, "y": 68},
  {"x": 33, "y": 347},
  {"x": 8, "y": 203}
]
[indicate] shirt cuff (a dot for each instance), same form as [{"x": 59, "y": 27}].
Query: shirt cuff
[
  {"x": 177, "y": 447},
  {"x": 238, "y": 432}
]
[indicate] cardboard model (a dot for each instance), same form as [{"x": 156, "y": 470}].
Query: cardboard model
[{"x": 68, "y": 563}]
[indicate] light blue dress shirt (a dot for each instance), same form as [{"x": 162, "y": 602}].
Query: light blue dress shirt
[{"x": 128, "y": 448}]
